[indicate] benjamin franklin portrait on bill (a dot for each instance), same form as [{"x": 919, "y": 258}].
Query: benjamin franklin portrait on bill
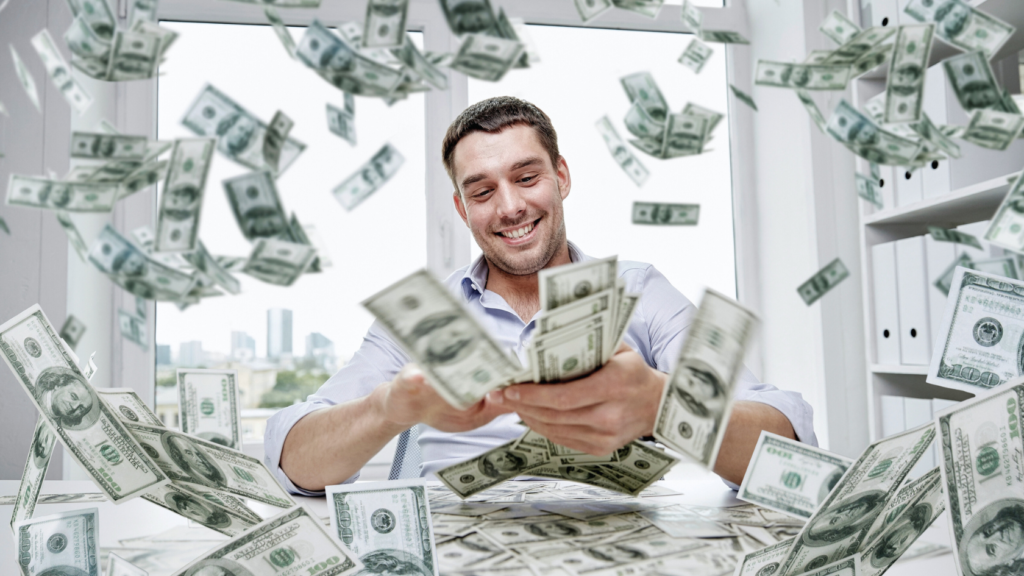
[
  {"x": 844, "y": 518},
  {"x": 444, "y": 338},
  {"x": 66, "y": 397},
  {"x": 993, "y": 540},
  {"x": 193, "y": 460}
]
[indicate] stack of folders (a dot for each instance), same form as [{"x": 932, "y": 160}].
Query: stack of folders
[{"x": 911, "y": 281}]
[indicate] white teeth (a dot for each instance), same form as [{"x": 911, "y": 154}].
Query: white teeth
[{"x": 519, "y": 233}]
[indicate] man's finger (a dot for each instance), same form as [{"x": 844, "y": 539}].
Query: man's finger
[
  {"x": 580, "y": 416},
  {"x": 569, "y": 396},
  {"x": 575, "y": 437}
]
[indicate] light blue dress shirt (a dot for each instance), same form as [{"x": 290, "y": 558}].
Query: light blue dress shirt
[{"x": 657, "y": 330}]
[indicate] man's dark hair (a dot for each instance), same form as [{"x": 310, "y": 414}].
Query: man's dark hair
[{"x": 494, "y": 115}]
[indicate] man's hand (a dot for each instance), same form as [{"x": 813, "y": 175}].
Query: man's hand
[
  {"x": 597, "y": 414},
  {"x": 409, "y": 399}
]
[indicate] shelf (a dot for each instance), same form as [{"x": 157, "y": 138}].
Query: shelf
[
  {"x": 1008, "y": 11},
  {"x": 970, "y": 204},
  {"x": 899, "y": 369}
]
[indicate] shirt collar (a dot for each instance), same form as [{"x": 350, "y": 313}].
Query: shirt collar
[{"x": 475, "y": 278}]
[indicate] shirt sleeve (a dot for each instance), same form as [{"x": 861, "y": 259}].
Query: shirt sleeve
[
  {"x": 662, "y": 321},
  {"x": 378, "y": 360}
]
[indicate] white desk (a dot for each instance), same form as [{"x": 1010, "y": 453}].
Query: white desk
[{"x": 139, "y": 518}]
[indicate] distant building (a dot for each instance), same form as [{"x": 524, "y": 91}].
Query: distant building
[
  {"x": 254, "y": 380},
  {"x": 163, "y": 355},
  {"x": 243, "y": 346},
  {"x": 190, "y": 354},
  {"x": 279, "y": 333},
  {"x": 320, "y": 349},
  {"x": 167, "y": 405}
]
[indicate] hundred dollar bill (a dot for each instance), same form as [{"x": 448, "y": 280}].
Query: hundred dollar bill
[
  {"x": 38, "y": 192},
  {"x": 486, "y": 57},
  {"x": 277, "y": 133},
  {"x": 927, "y": 130},
  {"x": 177, "y": 228},
  {"x": 385, "y": 23},
  {"x": 410, "y": 55},
  {"x": 117, "y": 566},
  {"x": 685, "y": 135},
  {"x": 572, "y": 352},
  {"x": 649, "y": 8},
  {"x": 643, "y": 91},
  {"x": 823, "y": 281},
  {"x": 838, "y": 527},
  {"x": 25, "y": 78},
  {"x": 981, "y": 334},
  {"x": 957, "y": 236},
  {"x": 133, "y": 56},
  {"x": 72, "y": 330},
  {"x": 993, "y": 130},
  {"x": 790, "y": 477},
  {"x": 461, "y": 361},
  {"x": 859, "y": 45},
  {"x": 961, "y": 25},
  {"x": 492, "y": 468},
  {"x": 341, "y": 65},
  {"x": 87, "y": 428},
  {"x": 369, "y": 178},
  {"x": 623, "y": 156},
  {"x": 801, "y": 76},
  {"x": 128, "y": 407},
  {"x": 293, "y": 542},
  {"x": 722, "y": 36},
  {"x": 743, "y": 97},
  {"x": 257, "y": 206},
  {"x": 98, "y": 17},
  {"x": 665, "y": 214},
  {"x": 164, "y": 36},
  {"x": 865, "y": 139},
  {"x": 812, "y": 109},
  {"x": 692, "y": 17},
  {"x": 239, "y": 133},
  {"x": 695, "y": 406},
  {"x": 184, "y": 502},
  {"x": 208, "y": 405},
  {"x": 766, "y": 561},
  {"x": 59, "y": 71},
  {"x": 130, "y": 268},
  {"x": 580, "y": 310},
  {"x": 63, "y": 543},
  {"x": 839, "y": 28},
  {"x": 713, "y": 117},
  {"x": 974, "y": 82},
  {"x": 641, "y": 124},
  {"x": 590, "y": 9},
  {"x": 133, "y": 328},
  {"x": 39, "y": 452},
  {"x": 871, "y": 59},
  {"x": 904, "y": 519},
  {"x": 342, "y": 122},
  {"x": 280, "y": 30},
  {"x": 99, "y": 146},
  {"x": 278, "y": 262},
  {"x": 190, "y": 460},
  {"x": 470, "y": 16},
  {"x": 696, "y": 55},
  {"x": 904, "y": 90},
  {"x": 385, "y": 523},
  {"x": 564, "y": 284},
  {"x": 207, "y": 264},
  {"x": 1007, "y": 226},
  {"x": 637, "y": 467},
  {"x": 981, "y": 442},
  {"x": 867, "y": 188}
]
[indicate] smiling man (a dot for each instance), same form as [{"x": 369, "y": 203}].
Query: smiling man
[{"x": 510, "y": 183}]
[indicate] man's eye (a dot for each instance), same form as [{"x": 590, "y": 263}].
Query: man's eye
[{"x": 526, "y": 178}]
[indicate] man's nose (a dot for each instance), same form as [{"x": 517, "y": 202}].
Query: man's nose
[{"x": 511, "y": 203}]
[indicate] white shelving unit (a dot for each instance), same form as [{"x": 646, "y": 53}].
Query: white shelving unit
[{"x": 974, "y": 203}]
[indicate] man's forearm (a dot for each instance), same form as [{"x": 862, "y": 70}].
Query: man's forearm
[
  {"x": 746, "y": 422},
  {"x": 329, "y": 446}
]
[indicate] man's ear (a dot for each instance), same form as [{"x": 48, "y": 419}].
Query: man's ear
[
  {"x": 564, "y": 180},
  {"x": 460, "y": 207}
]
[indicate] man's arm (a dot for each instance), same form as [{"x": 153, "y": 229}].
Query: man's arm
[
  {"x": 330, "y": 445},
  {"x": 619, "y": 403}
]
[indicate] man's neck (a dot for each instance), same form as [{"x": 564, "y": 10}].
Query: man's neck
[{"x": 522, "y": 292}]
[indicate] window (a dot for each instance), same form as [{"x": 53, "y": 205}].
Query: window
[
  {"x": 576, "y": 83},
  {"x": 377, "y": 243}
]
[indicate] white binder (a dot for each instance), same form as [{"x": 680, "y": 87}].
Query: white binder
[
  {"x": 938, "y": 256},
  {"x": 916, "y": 412},
  {"x": 887, "y": 186},
  {"x": 882, "y": 13},
  {"x": 976, "y": 229},
  {"x": 887, "y": 322},
  {"x": 892, "y": 415},
  {"x": 912, "y": 298},
  {"x": 909, "y": 188}
]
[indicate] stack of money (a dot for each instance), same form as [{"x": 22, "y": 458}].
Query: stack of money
[
  {"x": 659, "y": 133},
  {"x": 102, "y": 50}
]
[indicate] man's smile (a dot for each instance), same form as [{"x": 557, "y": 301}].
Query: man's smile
[{"x": 518, "y": 235}]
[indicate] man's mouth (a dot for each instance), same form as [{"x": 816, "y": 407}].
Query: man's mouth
[{"x": 519, "y": 235}]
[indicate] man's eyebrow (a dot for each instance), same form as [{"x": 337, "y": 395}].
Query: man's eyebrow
[{"x": 531, "y": 161}]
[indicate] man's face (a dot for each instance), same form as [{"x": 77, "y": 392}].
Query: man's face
[
  {"x": 511, "y": 196},
  {"x": 72, "y": 400},
  {"x": 995, "y": 544}
]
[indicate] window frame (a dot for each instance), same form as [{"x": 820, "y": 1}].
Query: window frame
[{"x": 132, "y": 107}]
